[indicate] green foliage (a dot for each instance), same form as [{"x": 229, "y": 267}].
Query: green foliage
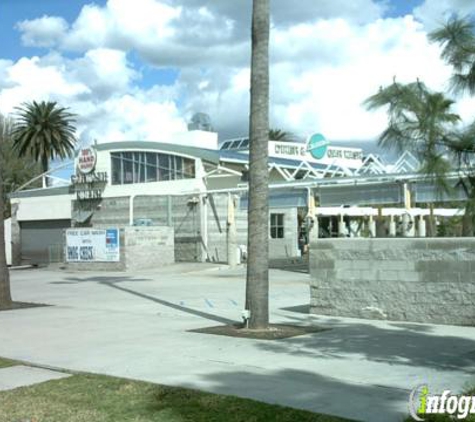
[
  {"x": 16, "y": 170},
  {"x": 421, "y": 121},
  {"x": 44, "y": 131},
  {"x": 457, "y": 37}
]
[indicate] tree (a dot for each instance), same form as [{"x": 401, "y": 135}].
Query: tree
[
  {"x": 16, "y": 171},
  {"x": 280, "y": 135},
  {"x": 44, "y": 131},
  {"x": 5, "y": 294},
  {"x": 457, "y": 38},
  {"x": 257, "y": 280},
  {"x": 419, "y": 120}
]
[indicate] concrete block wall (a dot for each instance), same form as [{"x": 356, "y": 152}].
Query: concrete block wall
[
  {"x": 428, "y": 280},
  {"x": 111, "y": 212},
  {"x": 148, "y": 247}
]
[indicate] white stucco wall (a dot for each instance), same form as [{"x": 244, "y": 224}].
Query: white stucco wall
[
  {"x": 8, "y": 240},
  {"x": 54, "y": 207}
]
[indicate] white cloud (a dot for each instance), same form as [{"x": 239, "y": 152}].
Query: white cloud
[
  {"x": 98, "y": 88},
  {"x": 326, "y": 59},
  {"x": 29, "y": 79},
  {"x": 42, "y": 32}
]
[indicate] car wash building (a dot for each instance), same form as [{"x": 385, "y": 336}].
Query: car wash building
[{"x": 192, "y": 184}]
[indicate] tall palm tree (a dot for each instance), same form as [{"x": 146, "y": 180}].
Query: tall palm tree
[
  {"x": 44, "y": 131},
  {"x": 257, "y": 280},
  {"x": 457, "y": 37},
  {"x": 419, "y": 120},
  {"x": 5, "y": 294}
]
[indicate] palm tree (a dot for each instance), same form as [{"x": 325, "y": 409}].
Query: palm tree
[
  {"x": 457, "y": 37},
  {"x": 5, "y": 294},
  {"x": 44, "y": 131},
  {"x": 257, "y": 280},
  {"x": 280, "y": 135},
  {"x": 419, "y": 120}
]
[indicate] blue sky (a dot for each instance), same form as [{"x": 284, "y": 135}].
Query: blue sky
[{"x": 139, "y": 69}]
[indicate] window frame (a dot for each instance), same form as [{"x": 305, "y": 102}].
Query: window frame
[{"x": 277, "y": 225}]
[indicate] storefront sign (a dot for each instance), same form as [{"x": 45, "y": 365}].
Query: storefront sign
[
  {"x": 87, "y": 183},
  {"x": 86, "y": 161},
  {"x": 92, "y": 245},
  {"x": 317, "y": 150}
]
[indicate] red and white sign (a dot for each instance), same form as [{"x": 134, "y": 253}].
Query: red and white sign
[{"x": 86, "y": 161}]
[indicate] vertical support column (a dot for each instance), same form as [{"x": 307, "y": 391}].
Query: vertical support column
[
  {"x": 408, "y": 223},
  {"x": 392, "y": 226},
  {"x": 421, "y": 228},
  {"x": 372, "y": 227},
  {"x": 169, "y": 211},
  {"x": 380, "y": 232},
  {"x": 232, "y": 234},
  {"x": 341, "y": 227},
  {"x": 204, "y": 227}
]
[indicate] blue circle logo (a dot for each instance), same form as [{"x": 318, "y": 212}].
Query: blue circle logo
[{"x": 317, "y": 145}]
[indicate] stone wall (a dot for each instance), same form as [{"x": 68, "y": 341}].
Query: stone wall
[
  {"x": 148, "y": 247},
  {"x": 422, "y": 280}
]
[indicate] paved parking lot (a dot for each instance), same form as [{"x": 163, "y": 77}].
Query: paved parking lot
[{"x": 136, "y": 325}]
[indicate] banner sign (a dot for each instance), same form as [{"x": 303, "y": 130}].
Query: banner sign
[
  {"x": 92, "y": 245},
  {"x": 317, "y": 150}
]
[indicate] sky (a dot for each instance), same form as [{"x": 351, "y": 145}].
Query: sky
[{"x": 139, "y": 69}]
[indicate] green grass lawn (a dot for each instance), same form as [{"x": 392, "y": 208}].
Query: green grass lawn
[{"x": 87, "y": 398}]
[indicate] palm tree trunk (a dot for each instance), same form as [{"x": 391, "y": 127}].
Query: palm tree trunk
[
  {"x": 257, "y": 281},
  {"x": 5, "y": 295},
  {"x": 45, "y": 168}
]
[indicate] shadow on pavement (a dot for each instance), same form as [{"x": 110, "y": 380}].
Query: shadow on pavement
[
  {"x": 113, "y": 282},
  {"x": 398, "y": 343},
  {"x": 317, "y": 393}
]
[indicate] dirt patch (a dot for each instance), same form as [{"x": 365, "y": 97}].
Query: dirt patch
[
  {"x": 21, "y": 305},
  {"x": 274, "y": 332}
]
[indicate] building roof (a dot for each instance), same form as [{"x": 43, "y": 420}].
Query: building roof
[{"x": 207, "y": 155}]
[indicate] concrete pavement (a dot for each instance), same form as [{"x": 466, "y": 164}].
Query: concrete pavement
[
  {"x": 22, "y": 376},
  {"x": 135, "y": 326}
]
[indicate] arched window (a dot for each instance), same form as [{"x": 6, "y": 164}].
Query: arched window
[{"x": 142, "y": 167}]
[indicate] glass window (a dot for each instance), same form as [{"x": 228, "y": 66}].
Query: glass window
[
  {"x": 235, "y": 144},
  {"x": 128, "y": 168},
  {"x": 151, "y": 170},
  {"x": 116, "y": 169},
  {"x": 277, "y": 226},
  {"x": 164, "y": 166},
  {"x": 226, "y": 145},
  {"x": 189, "y": 168},
  {"x": 141, "y": 167}
]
